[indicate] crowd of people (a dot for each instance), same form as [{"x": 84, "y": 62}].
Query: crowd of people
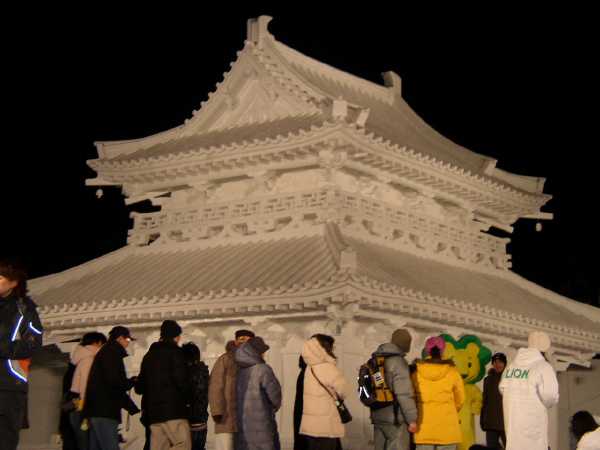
[
  {"x": 243, "y": 395},
  {"x": 418, "y": 408},
  {"x": 176, "y": 390}
]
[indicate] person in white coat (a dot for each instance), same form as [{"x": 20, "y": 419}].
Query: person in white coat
[
  {"x": 529, "y": 387},
  {"x": 321, "y": 424}
]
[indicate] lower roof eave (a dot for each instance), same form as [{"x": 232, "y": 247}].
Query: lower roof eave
[
  {"x": 448, "y": 315},
  {"x": 345, "y": 299}
]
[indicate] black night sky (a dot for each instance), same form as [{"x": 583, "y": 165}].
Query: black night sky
[{"x": 518, "y": 86}]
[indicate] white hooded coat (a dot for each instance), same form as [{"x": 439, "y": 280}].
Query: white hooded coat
[
  {"x": 320, "y": 417},
  {"x": 528, "y": 387},
  {"x": 82, "y": 358}
]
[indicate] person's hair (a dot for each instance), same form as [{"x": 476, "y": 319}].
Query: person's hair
[
  {"x": 326, "y": 342},
  {"x": 92, "y": 338},
  {"x": 14, "y": 271},
  {"x": 240, "y": 333},
  {"x": 435, "y": 352},
  {"x": 478, "y": 447},
  {"x": 191, "y": 353},
  {"x": 117, "y": 332},
  {"x": 582, "y": 422}
]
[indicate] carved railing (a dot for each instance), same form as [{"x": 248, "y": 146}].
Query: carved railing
[{"x": 305, "y": 208}]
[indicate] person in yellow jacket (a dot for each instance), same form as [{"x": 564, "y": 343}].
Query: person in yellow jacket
[{"x": 440, "y": 395}]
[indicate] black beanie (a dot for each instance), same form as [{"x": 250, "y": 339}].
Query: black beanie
[
  {"x": 170, "y": 329},
  {"x": 500, "y": 356}
]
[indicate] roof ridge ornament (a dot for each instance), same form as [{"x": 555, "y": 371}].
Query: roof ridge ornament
[
  {"x": 257, "y": 29},
  {"x": 363, "y": 115},
  {"x": 392, "y": 81},
  {"x": 339, "y": 109}
]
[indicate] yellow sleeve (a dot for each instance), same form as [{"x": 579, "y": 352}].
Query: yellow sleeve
[
  {"x": 476, "y": 400},
  {"x": 459, "y": 391}
]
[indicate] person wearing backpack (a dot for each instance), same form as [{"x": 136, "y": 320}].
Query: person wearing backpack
[{"x": 395, "y": 418}]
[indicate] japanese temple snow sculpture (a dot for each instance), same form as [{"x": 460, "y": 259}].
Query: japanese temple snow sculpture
[{"x": 301, "y": 199}]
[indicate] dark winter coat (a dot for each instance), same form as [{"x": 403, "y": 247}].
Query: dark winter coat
[
  {"x": 492, "y": 414},
  {"x": 258, "y": 399},
  {"x": 221, "y": 391},
  {"x": 199, "y": 380},
  {"x": 164, "y": 384},
  {"x": 20, "y": 335},
  {"x": 397, "y": 377},
  {"x": 107, "y": 386}
]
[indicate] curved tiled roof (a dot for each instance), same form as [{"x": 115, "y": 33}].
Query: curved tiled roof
[
  {"x": 291, "y": 264},
  {"x": 228, "y": 136},
  {"x": 424, "y": 275},
  {"x": 171, "y": 271},
  {"x": 396, "y": 122}
]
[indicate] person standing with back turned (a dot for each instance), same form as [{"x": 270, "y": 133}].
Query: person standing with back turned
[
  {"x": 222, "y": 392},
  {"x": 393, "y": 423},
  {"x": 529, "y": 388}
]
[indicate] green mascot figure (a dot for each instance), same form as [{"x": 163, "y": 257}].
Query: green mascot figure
[{"x": 470, "y": 357}]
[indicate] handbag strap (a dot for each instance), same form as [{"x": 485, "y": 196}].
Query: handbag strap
[{"x": 335, "y": 397}]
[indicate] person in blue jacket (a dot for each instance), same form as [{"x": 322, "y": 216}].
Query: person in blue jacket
[{"x": 258, "y": 398}]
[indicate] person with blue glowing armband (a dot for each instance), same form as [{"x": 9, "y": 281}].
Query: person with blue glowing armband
[{"x": 20, "y": 335}]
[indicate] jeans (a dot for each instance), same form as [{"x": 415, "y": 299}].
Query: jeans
[
  {"x": 82, "y": 436},
  {"x": 199, "y": 440},
  {"x": 13, "y": 407},
  {"x": 104, "y": 434},
  {"x": 391, "y": 437}
]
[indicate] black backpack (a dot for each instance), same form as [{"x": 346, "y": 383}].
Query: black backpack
[{"x": 373, "y": 391}]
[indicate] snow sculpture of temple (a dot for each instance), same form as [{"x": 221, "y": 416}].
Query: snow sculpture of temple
[{"x": 302, "y": 199}]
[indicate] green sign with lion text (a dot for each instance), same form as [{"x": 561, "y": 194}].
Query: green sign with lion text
[{"x": 517, "y": 373}]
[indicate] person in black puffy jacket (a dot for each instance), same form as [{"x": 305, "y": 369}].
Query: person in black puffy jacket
[
  {"x": 165, "y": 388},
  {"x": 106, "y": 392},
  {"x": 198, "y": 401}
]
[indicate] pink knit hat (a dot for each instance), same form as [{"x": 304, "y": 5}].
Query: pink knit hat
[{"x": 435, "y": 341}]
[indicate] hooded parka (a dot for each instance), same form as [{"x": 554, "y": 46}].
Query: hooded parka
[
  {"x": 258, "y": 399},
  {"x": 529, "y": 387},
  {"x": 320, "y": 417},
  {"x": 440, "y": 395}
]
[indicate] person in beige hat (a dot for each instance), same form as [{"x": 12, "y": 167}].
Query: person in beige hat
[{"x": 529, "y": 388}]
